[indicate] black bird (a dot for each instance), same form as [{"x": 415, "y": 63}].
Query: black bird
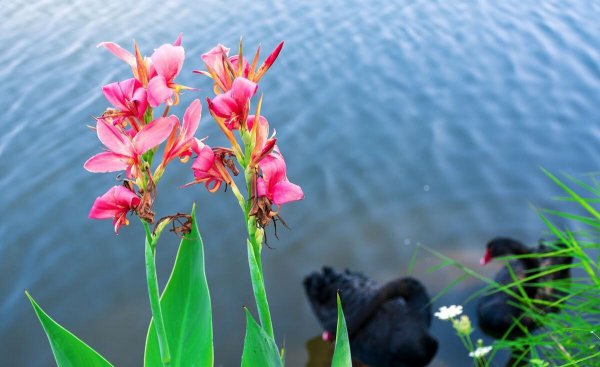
[
  {"x": 387, "y": 324},
  {"x": 497, "y": 312}
]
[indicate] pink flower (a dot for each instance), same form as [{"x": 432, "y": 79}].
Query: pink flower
[
  {"x": 263, "y": 145},
  {"x": 182, "y": 141},
  {"x": 120, "y": 52},
  {"x": 167, "y": 61},
  {"x": 266, "y": 65},
  {"x": 129, "y": 97},
  {"x": 142, "y": 67},
  {"x": 214, "y": 60},
  {"x": 115, "y": 203},
  {"x": 209, "y": 168},
  {"x": 234, "y": 104},
  {"x": 224, "y": 69},
  {"x": 246, "y": 66},
  {"x": 274, "y": 183},
  {"x": 123, "y": 152}
]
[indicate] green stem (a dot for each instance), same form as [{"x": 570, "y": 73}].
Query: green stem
[
  {"x": 255, "y": 263},
  {"x": 258, "y": 287},
  {"x": 154, "y": 295}
]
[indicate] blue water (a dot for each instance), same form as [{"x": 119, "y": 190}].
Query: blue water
[{"x": 405, "y": 122}]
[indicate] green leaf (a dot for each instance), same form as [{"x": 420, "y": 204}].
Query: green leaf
[
  {"x": 186, "y": 309},
  {"x": 67, "y": 348},
  {"x": 341, "y": 355},
  {"x": 259, "y": 347}
]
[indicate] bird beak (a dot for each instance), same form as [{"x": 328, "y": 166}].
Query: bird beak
[
  {"x": 327, "y": 336},
  {"x": 487, "y": 257}
]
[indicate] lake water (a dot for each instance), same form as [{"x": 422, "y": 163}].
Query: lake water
[{"x": 405, "y": 122}]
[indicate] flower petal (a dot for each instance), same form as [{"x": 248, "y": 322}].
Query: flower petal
[
  {"x": 223, "y": 105},
  {"x": 107, "y": 162},
  {"x": 262, "y": 130},
  {"x": 115, "y": 203},
  {"x": 261, "y": 187},
  {"x": 119, "y": 52},
  {"x": 204, "y": 162},
  {"x": 113, "y": 138},
  {"x": 242, "y": 90},
  {"x": 178, "y": 40},
  {"x": 264, "y": 124},
  {"x": 168, "y": 60},
  {"x": 153, "y": 134},
  {"x": 213, "y": 57},
  {"x": 191, "y": 119},
  {"x": 116, "y": 93},
  {"x": 268, "y": 62},
  {"x": 273, "y": 169},
  {"x": 140, "y": 100},
  {"x": 234, "y": 62},
  {"x": 158, "y": 91},
  {"x": 285, "y": 192}
]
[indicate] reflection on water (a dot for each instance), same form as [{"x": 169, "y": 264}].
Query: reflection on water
[
  {"x": 405, "y": 122},
  {"x": 319, "y": 352}
]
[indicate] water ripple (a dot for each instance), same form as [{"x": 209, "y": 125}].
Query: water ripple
[{"x": 405, "y": 123}]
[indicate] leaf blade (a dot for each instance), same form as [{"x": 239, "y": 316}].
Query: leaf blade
[
  {"x": 341, "y": 355},
  {"x": 186, "y": 309},
  {"x": 68, "y": 349},
  {"x": 259, "y": 347}
]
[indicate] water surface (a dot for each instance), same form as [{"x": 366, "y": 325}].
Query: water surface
[{"x": 405, "y": 122}]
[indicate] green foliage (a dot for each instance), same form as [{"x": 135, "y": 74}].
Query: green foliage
[
  {"x": 341, "y": 355},
  {"x": 69, "y": 351},
  {"x": 186, "y": 309},
  {"x": 568, "y": 336},
  {"x": 259, "y": 347}
]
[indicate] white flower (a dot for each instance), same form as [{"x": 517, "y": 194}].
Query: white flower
[
  {"x": 449, "y": 312},
  {"x": 480, "y": 352}
]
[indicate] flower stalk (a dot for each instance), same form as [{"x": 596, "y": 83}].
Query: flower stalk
[
  {"x": 255, "y": 263},
  {"x": 263, "y": 166},
  {"x": 154, "y": 295}
]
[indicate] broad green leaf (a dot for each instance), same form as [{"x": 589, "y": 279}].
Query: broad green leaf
[
  {"x": 69, "y": 351},
  {"x": 186, "y": 309},
  {"x": 341, "y": 355},
  {"x": 259, "y": 348}
]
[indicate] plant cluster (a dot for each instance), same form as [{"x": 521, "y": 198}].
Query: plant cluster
[
  {"x": 134, "y": 130},
  {"x": 568, "y": 323}
]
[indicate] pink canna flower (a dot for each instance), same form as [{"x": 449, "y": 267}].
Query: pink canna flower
[
  {"x": 142, "y": 67},
  {"x": 209, "y": 168},
  {"x": 245, "y": 65},
  {"x": 233, "y": 105},
  {"x": 178, "y": 40},
  {"x": 274, "y": 183},
  {"x": 167, "y": 61},
  {"x": 129, "y": 97},
  {"x": 115, "y": 204},
  {"x": 214, "y": 60},
  {"x": 266, "y": 65},
  {"x": 263, "y": 145},
  {"x": 119, "y": 52},
  {"x": 182, "y": 142},
  {"x": 124, "y": 153},
  {"x": 217, "y": 60},
  {"x": 224, "y": 69}
]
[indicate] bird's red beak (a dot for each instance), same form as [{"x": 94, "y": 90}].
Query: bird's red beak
[{"x": 487, "y": 257}]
